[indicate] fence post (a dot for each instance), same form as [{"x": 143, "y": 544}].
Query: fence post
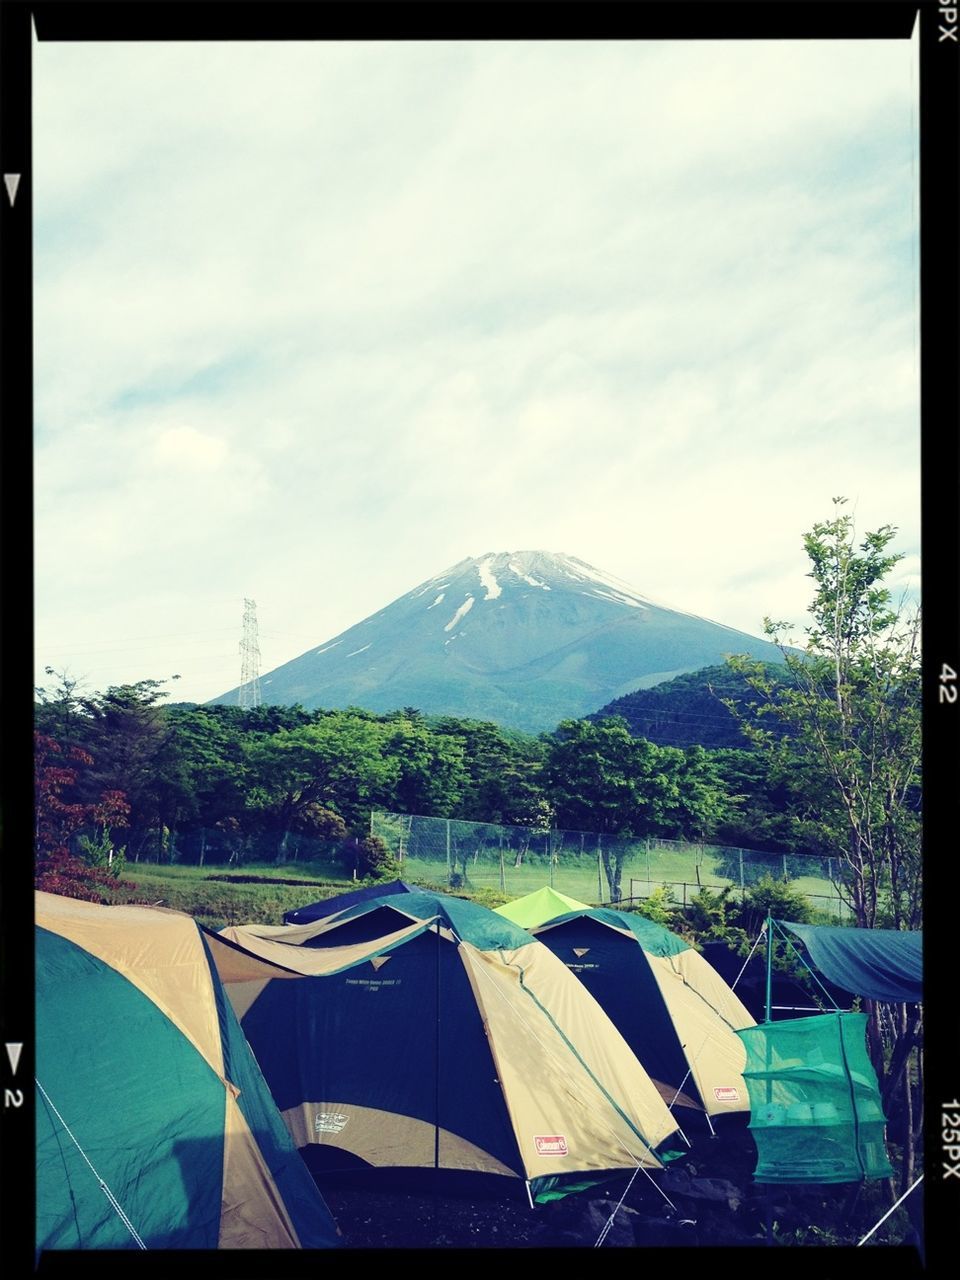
[
  {"x": 448, "y": 848},
  {"x": 740, "y": 851},
  {"x": 785, "y": 867},
  {"x": 599, "y": 872}
]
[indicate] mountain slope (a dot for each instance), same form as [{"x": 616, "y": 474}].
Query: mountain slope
[
  {"x": 686, "y": 711},
  {"x": 522, "y": 638}
]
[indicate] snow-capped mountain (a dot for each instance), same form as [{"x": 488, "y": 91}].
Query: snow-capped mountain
[{"x": 524, "y": 638}]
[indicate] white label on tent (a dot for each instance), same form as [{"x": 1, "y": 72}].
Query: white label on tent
[
  {"x": 552, "y": 1145},
  {"x": 330, "y": 1121},
  {"x": 727, "y": 1093}
]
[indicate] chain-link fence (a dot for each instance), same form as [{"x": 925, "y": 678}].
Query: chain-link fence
[{"x": 589, "y": 866}]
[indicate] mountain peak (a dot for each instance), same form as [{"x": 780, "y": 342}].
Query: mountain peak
[
  {"x": 525, "y": 638},
  {"x": 541, "y": 570}
]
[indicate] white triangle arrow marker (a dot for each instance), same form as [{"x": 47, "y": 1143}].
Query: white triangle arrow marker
[
  {"x": 11, "y": 182},
  {"x": 13, "y": 1053}
]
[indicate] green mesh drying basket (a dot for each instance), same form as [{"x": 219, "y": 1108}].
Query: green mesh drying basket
[{"x": 815, "y": 1110}]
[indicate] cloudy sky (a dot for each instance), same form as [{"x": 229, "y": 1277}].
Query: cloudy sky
[{"x": 315, "y": 321}]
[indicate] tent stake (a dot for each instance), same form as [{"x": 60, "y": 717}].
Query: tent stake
[{"x": 529, "y": 1192}]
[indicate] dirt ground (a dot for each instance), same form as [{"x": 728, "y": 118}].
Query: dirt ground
[{"x": 384, "y": 1216}]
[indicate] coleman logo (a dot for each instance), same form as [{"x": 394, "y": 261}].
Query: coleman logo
[
  {"x": 329, "y": 1121},
  {"x": 727, "y": 1094},
  {"x": 554, "y": 1145}
]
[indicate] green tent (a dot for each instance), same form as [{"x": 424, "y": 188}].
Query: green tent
[
  {"x": 537, "y": 907},
  {"x": 154, "y": 1127}
]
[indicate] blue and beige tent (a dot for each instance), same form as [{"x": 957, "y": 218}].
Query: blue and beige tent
[
  {"x": 674, "y": 1010},
  {"x": 154, "y": 1126},
  {"x": 330, "y": 906},
  {"x": 421, "y": 1031}
]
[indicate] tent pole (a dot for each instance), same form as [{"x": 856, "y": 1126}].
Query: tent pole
[
  {"x": 769, "y": 964},
  {"x": 529, "y": 1192},
  {"x": 436, "y": 1136}
]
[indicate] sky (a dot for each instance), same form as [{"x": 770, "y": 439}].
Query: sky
[{"x": 315, "y": 321}]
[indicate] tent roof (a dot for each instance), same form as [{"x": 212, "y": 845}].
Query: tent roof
[
  {"x": 651, "y": 936},
  {"x": 475, "y": 924},
  {"x": 539, "y": 906},
  {"x": 414, "y": 910},
  {"x": 881, "y": 964},
  {"x": 330, "y": 906}
]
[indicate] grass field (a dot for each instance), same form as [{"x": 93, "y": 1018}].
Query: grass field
[
  {"x": 219, "y": 896},
  {"x": 261, "y": 893},
  {"x": 583, "y": 882}
]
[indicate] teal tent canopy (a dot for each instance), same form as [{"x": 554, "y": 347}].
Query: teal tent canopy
[{"x": 881, "y": 964}]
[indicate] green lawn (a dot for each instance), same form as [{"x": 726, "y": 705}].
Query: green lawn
[
  {"x": 225, "y": 895},
  {"x": 216, "y": 902},
  {"x": 640, "y": 877}
]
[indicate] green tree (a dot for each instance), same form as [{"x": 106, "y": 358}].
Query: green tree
[
  {"x": 431, "y": 766},
  {"x": 600, "y": 778},
  {"x": 849, "y": 723},
  {"x": 339, "y": 762},
  {"x": 849, "y": 729},
  {"x": 126, "y": 732},
  {"x": 502, "y": 771}
]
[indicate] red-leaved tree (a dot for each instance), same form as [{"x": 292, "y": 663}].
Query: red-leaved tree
[{"x": 57, "y": 818}]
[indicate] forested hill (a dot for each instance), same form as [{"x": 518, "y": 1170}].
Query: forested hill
[{"x": 687, "y": 711}]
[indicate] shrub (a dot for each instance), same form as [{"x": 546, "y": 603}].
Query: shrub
[
  {"x": 99, "y": 851},
  {"x": 660, "y": 906},
  {"x": 778, "y": 898},
  {"x": 711, "y": 917}
]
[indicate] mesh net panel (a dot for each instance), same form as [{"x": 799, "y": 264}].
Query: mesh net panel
[{"x": 815, "y": 1108}]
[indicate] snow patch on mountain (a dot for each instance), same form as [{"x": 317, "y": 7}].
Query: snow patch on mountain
[
  {"x": 316, "y": 652},
  {"x": 622, "y": 591},
  {"x": 526, "y": 577},
  {"x": 461, "y": 612},
  {"x": 436, "y": 602},
  {"x": 363, "y": 650},
  {"x": 616, "y": 596},
  {"x": 488, "y": 580}
]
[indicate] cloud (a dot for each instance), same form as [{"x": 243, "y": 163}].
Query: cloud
[
  {"x": 186, "y": 449},
  {"x": 315, "y": 320}
]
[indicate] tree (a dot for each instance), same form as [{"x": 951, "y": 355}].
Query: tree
[
  {"x": 130, "y": 739},
  {"x": 600, "y": 778},
  {"x": 849, "y": 742},
  {"x": 431, "y": 766},
  {"x": 849, "y": 739},
  {"x": 59, "y": 815},
  {"x": 339, "y": 762}
]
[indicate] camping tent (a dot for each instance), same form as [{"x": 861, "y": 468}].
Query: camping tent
[
  {"x": 330, "y": 906},
  {"x": 673, "y": 1009},
  {"x": 537, "y": 907},
  {"x": 154, "y": 1126},
  {"x": 427, "y": 1032}
]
